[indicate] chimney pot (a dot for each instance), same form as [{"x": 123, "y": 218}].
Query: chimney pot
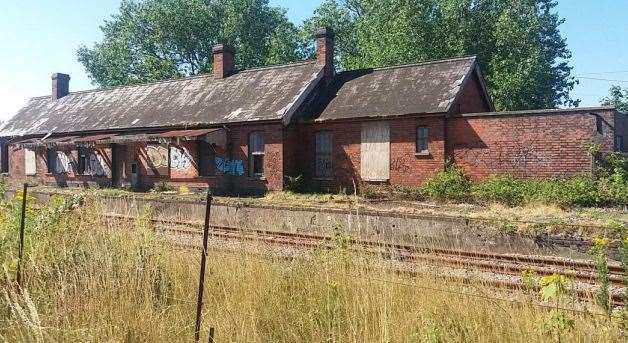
[
  {"x": 325, "y": 51},
  {"x": 60, "y": 85},
  {"x": 224, "y": 60}
]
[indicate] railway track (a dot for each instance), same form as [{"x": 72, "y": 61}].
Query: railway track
[{"x": 502, "y": 264}]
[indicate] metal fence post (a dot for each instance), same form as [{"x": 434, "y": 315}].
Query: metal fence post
[
  {"x": 201, "y": 281},
  {"x": 21, "y": 250}
]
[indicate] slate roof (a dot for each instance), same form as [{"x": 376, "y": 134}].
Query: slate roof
[
  {"x": 429, "y": 87},
  {"x": 272, "y": 93}
]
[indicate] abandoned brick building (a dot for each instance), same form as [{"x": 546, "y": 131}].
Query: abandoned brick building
[{"x": 249, "y": 130}]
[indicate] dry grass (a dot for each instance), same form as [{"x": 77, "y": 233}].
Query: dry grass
[{"x": 87, "y": 280}]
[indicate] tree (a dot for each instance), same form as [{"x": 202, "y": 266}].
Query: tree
[
  {"x": 160, "y": 39},
  {"x": 617, "y": 98},
  {"x": 518, "y": 42}
]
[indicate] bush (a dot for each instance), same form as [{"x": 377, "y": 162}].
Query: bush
[
  {"x": 450, "y": 184},
  {"x": 502, "y": 189}
]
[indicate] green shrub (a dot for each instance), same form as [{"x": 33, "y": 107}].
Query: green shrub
[
  {"x": 501, "y": 189},
  {"x": 450, "y": 184}
]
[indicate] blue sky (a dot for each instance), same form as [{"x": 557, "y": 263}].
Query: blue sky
[{"x": 38, "y": 38}]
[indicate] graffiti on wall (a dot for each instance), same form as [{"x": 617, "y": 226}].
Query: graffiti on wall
[
  {"x": 97, "y": 165},
  {"x": 63, "y": 164},
  {"x": 180, "y": 158},
  {"x": 230, "y": 167},
  {"x": 158, "y": 156}
]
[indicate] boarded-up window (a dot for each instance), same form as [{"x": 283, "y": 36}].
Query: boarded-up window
[
  {"x": 30, "y": 162},
  {"x": 206, "y": 159},
  {"x": 256, "y": 154},
  {"x": 324, "y": 160},
  {"x": 421, "y": 140},
  {"x": 375, "y": 151}
]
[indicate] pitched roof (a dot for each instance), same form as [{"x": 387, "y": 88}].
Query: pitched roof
[
  {"x": 271, "y": 93},
  {"x": 430, "y": 87}
]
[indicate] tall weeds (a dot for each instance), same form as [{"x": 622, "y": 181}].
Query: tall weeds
[{"x": 91, "y": 280}]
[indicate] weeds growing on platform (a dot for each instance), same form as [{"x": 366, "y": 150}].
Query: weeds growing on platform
[{"x": 92, "y": 280}]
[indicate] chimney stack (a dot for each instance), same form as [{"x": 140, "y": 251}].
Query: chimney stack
[
  {"x": 224, "y": 61},
  {"x": 325, "y": 51},
  {"x": 60, "y": 85}
]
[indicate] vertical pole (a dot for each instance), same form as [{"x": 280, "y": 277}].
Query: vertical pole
[
  {"x": 21, "y": 250},
  {"x": 211, "y": 335},
  {"x": 201, "y": 281}
]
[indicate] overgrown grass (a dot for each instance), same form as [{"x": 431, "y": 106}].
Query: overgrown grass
[{"x": 92, "y": 280}]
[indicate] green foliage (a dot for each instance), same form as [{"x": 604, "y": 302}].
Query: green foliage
[
  {"x": 553, "y": 287},
  {"x": 617, "y": 98},
  {"x": 153, "y": 40},
  {"x": 518, "y": 43},
  {"x": 450, "y": 184},
  {"x": 501, "y": 189},
  {"x": 295, "y": 184},
  {"x": 599, "y": 251}
]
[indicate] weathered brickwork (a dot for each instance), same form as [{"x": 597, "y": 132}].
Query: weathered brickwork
[
  {"x": 406, "y": 166},
  {"x": 531, "y": 146}
]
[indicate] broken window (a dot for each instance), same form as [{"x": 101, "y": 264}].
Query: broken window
[
  {"x": 422, "y": 140},
  {"x": 599, "y": 125},
  {"x": 83, "y": 161},
  {"x": 324, "y": 166},
  {"x": 4, "y": 158},
  {"x": 51, "y": 160},
  {"x": 256, "y": 154},
  {"x": 206, "y": 159}
]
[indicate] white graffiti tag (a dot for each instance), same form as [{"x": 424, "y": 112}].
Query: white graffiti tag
[
  {"x": 98, "y": 165},
  {"x": 62, "y": 165},
  {"x": 180, "y": 158}
]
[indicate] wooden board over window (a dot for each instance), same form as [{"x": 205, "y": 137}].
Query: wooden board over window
[
  {"x": 30, "y": 162},
  {"x": 375, "y": 151}
]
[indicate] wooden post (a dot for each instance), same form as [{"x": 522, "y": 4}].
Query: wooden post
[
  {"x": 21, "y": 250},
  {"x": 201, "y": 281}
]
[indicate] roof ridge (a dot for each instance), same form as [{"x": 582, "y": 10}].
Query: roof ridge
[
  {"x": 470, "y": 57},
  {"x": 199, "y": 76}
]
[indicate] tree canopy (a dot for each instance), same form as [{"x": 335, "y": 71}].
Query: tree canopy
[
  {"x": 617, "y": 98},
  {"x": 159, "y": 39},
  {"x": 518, "y": 42}
]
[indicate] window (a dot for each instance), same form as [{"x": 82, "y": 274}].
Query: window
[
  {"x": 422, "y": 134},
  {"x": 83, "y": 161},
  {"x": 619, "y": 143},
  {"x": 256, "y": 154},
  {"x": 51, "y": 158},
  {"x": 206, "y": 159},
  {"x": 4, "y": 158},
  {"x": 324, "y": 160},
  {"x": 599, "y": 125}
]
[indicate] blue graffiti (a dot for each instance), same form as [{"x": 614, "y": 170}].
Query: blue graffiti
[{"x": 230, "y": 167}]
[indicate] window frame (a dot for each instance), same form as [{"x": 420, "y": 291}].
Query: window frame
[
  {"x": 419, "y": 138},
  {"x": 256, "y": 154},
  {"x": 599, "y": 125},
  {"x": 4, "y": 158},
  {"x": 619, "y": 143},
  {"x": 319, "y": 153},
  {"x": 51, "y": 160}
]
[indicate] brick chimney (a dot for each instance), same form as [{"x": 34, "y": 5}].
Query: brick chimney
[
  {"x": 224, "y": 61},
  {"x": 60, "y": 85},
  {"x": 325, "y": 51}
]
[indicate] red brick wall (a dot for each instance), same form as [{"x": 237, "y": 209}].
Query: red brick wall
[
  {"x": 273, "y": 159},
  {"x": 524, "y": 145},
  {"x": 472, "y": 99},
  {"x": 406, "y": 168}
]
